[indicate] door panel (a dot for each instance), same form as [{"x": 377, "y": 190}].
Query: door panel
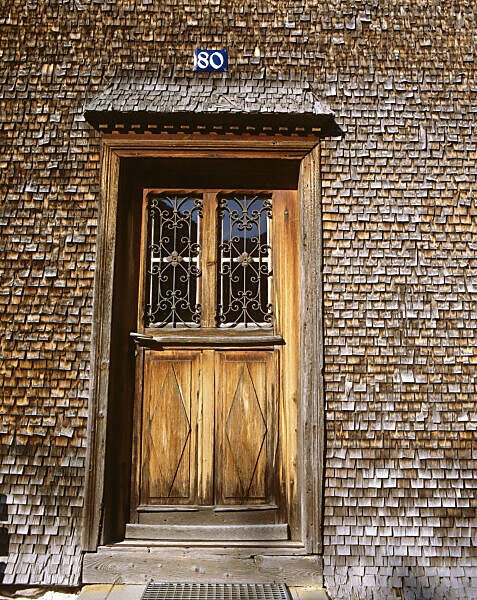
[
  {"x": 245, "y": 427},
  {"x": 169, "y": 426}
]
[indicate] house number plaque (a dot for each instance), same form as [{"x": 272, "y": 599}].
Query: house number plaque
[{"x": 210, "y": 60}]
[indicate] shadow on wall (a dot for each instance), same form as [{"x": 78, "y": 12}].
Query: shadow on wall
[
  {"x": 3, "y": 536},
  {"x": 422, "y": 588},
  {"x": 406, "y": 584},
  {"x": 413, "y": 589}
]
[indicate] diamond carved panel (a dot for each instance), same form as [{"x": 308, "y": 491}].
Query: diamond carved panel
[
  {"x": 245, "y": 430},
  {"x": 169, "y": 431}
]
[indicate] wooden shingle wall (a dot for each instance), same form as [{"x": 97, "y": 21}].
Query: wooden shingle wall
[
  {"x": 400, "y": 293},
  {"x": 400, "y": 260}
]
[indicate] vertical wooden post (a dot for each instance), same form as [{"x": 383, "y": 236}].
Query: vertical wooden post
[
  {"x": 208, "y": 245},
  {"x": 102, "y": 318},
  {"x": 311, "y": 352},
  {"x": 206, "y": 429}
]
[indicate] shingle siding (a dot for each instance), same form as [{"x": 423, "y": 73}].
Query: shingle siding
[
  {"x": 400, "y": 266},
  {"x": 400, "y": 291}
]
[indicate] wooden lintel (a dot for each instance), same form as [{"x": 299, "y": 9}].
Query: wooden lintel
[{"x": 213, "y": 146}]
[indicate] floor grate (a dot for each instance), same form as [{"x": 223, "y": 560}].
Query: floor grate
[{"x": 215, "y": 591}]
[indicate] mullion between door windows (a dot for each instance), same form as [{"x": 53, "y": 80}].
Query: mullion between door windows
[{"x": 208, "y": 235}]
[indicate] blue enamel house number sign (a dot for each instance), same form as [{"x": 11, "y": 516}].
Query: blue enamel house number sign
[{"x": 210, "y": 60}]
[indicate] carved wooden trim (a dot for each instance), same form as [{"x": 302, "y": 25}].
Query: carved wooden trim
[{"x": 311, "y": 436}]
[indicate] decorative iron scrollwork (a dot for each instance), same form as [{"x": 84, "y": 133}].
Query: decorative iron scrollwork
[
  {"x": 173, "y": 269},
  {"x": 244, "y": 268}
]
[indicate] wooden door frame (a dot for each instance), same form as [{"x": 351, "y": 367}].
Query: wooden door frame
[{"x": 311, "y": 395}]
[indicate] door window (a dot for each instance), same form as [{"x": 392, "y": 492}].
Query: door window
[
  {"x": 173, "y": 262},
  {"x": 244, "y": 260},
  {"x": 233, "y": 236}
]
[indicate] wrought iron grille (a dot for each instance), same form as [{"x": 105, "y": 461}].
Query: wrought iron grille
[
  {"x": 173, "y": 269},
  {"x": 244, "y": 265},
  {"x": 215, "y": 591}
]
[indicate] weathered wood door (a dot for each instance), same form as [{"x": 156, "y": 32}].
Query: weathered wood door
[
  {"x": 169, "y": 433},
  {"x": 208, "y": 427},
  {"x": 212, "y": 322}
]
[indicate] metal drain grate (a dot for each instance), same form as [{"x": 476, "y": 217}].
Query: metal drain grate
[{"x": 215, "y": 591}]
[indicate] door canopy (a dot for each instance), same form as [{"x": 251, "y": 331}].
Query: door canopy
[{"x": 205, "y": 103}]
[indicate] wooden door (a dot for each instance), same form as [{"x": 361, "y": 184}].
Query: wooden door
[
  {"x": 211, "y": 347},
  {"x": 208, "y": 427}
]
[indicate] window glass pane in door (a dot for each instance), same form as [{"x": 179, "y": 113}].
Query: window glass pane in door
[
  {"x": 173, "y": 269},
  {"x": 244, "y": 260}
]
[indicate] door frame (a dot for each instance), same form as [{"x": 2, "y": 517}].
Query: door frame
[{"x": 311, "y": 392}]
